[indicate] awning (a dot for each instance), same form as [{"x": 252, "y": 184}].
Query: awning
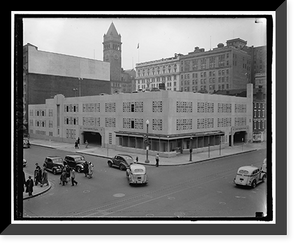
[{"x": 170, "y": 136}]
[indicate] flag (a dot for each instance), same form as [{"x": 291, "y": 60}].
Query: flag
[{"x": 138, "y": 46}]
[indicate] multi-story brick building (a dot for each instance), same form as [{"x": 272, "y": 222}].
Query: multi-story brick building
[
  {"x": 173, "y": 121},
  {"x": 222, "y": 68}
]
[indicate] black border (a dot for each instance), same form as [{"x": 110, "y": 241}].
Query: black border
[{"x": 172, "y": 229}]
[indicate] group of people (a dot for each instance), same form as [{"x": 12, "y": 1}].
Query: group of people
[
  {"x": 40, "y": 177},
  {"x": 67, "y": 172},
  {"x": 77, "y": 142}
]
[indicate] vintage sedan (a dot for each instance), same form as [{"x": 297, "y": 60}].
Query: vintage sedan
[
  {"x": 54, "y": 164},
  {"x": 121, "y": 161},
  {"x": 75, "y": 161},
  {"x": 137, "y": 174},
  {"x": 249, "y": 176}
]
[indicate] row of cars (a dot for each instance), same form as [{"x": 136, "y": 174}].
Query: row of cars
[
  {"x": 135, "y": 173},
  {"x": 56, "y": 164}
]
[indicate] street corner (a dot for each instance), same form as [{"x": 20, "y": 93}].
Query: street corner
[{"x": 37, "y": 190}]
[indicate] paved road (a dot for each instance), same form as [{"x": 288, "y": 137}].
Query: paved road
[{"x": 199, "y": 190}]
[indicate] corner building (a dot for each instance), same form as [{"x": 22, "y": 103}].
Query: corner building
[{"x": 177, "y": 121}]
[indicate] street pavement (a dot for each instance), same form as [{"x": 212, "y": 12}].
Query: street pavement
[{"x": 203, "y": 188}]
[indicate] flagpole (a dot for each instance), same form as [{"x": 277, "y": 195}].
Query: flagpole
[{"x": 138, "y": 48}]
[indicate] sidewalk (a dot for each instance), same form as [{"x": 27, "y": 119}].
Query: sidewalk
[
  {"x": 37, "y": 190},
  {"x": 180, "y": 159}
]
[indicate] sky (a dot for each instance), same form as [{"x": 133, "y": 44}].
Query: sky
[{"x": 157, "y": 37}]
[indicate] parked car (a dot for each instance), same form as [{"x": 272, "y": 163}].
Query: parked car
[
  {"x": 121, "y": 161},
  {"x": 54, "y": 164},
  {"x": 24, "y": 162},
  {"x": 26, "y": 143},
  {"x": 136, "y": 174},
  {"x": 75, "y": 161},
  {"x": 249, "y": 176}
]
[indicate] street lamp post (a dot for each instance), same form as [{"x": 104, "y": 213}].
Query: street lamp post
[
  {"x": 191, "y": 148},
  {"x": 220, "y": 147},
  {"x": 147, "y": 142}
]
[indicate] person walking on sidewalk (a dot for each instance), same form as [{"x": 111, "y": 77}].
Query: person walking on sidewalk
[
  {"x": 157, "y": 160},
  {"x": 73, "y": 177},
  {"x": 45, "y": 178},
  {"x": 29, "y": 186},
  {"x": 37, "y": 174}
]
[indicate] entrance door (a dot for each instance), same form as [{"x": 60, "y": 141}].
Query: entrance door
[
  {"x": 93, "y": 138},
  {"x": 239, "y": 137}
]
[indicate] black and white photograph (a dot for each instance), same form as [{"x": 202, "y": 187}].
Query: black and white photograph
[{"x": 145, "y": 118}]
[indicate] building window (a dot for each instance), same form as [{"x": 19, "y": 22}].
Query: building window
[
  {"x": 205, "y": 123},
  {"x": 157, "y": 124},
  {"x": 184, "y": 124},
  {"x": 110, "y": 122},
  {"x": 110, "y": 107},
  {"x": 156, "y": 106},
  {"x": 184, "y": 107}
]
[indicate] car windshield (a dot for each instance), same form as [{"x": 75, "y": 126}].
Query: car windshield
[
  {"x": 138, "y": 171},
  {"x": 79, "y": 159},
  {"x": 57, "y": 160}
]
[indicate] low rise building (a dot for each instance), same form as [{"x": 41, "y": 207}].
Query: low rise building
[{"x": 169, "y": 121}]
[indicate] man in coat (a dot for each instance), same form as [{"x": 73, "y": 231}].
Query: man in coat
[
  {"x": 29, "y": 186},
  {"x": 73, "y": 177}
]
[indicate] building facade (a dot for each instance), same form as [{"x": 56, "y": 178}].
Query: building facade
[
  {"x": 171, "y": 121},
  {"x": 222, "y": 68},
  {"x": 162, "y": 73},
  {"x": 46, "y": 74}
]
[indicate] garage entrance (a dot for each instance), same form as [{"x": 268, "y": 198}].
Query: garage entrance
[
  {"x": 239, "y": 137},
  {"x": 93, "y": 138}
]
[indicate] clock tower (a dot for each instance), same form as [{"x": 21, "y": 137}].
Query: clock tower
[{"x": 112, "y": 52}]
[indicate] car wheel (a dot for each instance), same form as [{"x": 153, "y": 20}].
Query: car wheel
[
  {"x": 78, "y": 169},
  {"x": 253, "y": 184},
  {"x": 109, "y": 163},
  {"x": 122, "y": 167},
  {"x": 54, "y": 171}
]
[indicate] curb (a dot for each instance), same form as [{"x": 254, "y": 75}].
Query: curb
[
  {"x": 143, "y": 163},
  {"x": 186, "y": 163},
  {"x": 42, "y": 192}
]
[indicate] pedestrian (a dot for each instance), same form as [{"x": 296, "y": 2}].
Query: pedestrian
[
  {"x": 90, "y": 168},
  {"x": 45, "y": 178},
  {"x": 24, "y": 181},
  {"x": 73, "y": 177},
  {"x": 78, "y": 142},
  {"x": 86, "y": 144},
  {"x": 157, "y": 160},
  {"x": 137, "y": 159},
  {"x": 63, "y": 177},
  {"x": 37, "y": 175},
  {"x": 29, "y": 186}
]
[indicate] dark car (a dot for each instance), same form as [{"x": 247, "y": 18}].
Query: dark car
[
  {"x": 121, "y": 161},
  {"x": 75, "y": 161},
  {"x": 54, "y": 164}
]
